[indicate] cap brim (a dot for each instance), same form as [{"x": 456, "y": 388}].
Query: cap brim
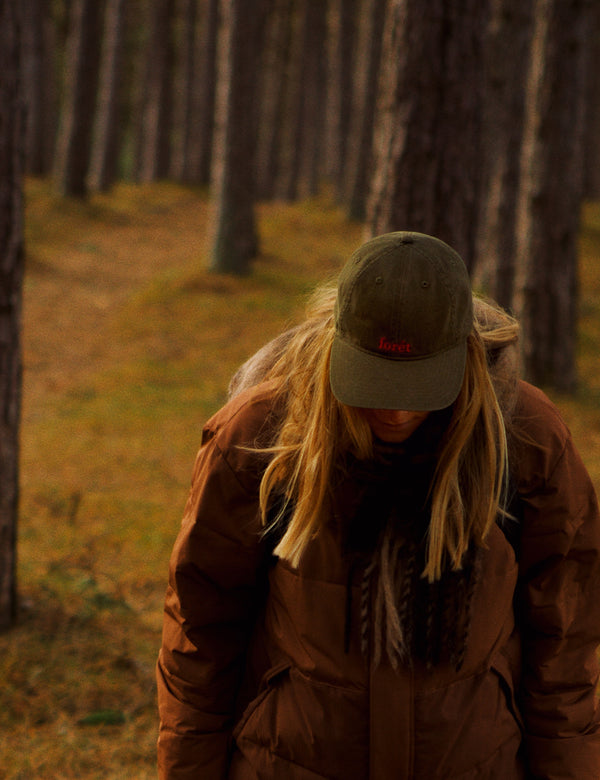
[{"x": 368, "y": 381}]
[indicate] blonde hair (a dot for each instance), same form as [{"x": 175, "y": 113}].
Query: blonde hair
[{"x": 466, "y": 494}]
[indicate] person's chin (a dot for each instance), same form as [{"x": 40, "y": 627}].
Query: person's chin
[{"x": 393, "y": 434}]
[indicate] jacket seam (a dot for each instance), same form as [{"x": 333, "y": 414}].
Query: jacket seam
[
  {"x": 233, "y": 472},
  {"x": 574, "y": 521},
  {"x": 265, "y": 746}
]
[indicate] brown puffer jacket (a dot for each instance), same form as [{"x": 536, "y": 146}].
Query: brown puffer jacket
[{"x": 255, "y": 680}]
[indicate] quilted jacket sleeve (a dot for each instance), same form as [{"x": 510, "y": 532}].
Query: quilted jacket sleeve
[
  {"x": 559, "y": 602},
  {"x": 215, "y": 583}
]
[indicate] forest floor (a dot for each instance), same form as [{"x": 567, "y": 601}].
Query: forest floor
[{"x": 129, "y": 343}]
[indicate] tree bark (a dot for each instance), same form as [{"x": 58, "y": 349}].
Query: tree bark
[
  {"x": 236, "y": 239},
  {"x": 185, "y": 73},
  {"x": 293, "y": 118},
  {"x": 80, "y": 86},
  {"x": 11, "y": 283},
  {"x": 360, "y": 153},
  {"x": 154, "y": 143},
  {"x": 313, "y": 119},
  {"x": 592, "y": 151},
  {"x": 203, "y": 107},
  {"x": 343, "y": 35},
  {"x": 428, "y": 155},
  {"x": 105, "y": 149},
  {"x": 272, "y": 95},
  {"x": 506, "y": 58},
  {"x": 39, "y": 87},
  {"x": 548, "y": 209}
]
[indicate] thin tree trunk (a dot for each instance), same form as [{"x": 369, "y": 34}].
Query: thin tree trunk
[
  {"x": 360, "y": 153},
  {"x": 136, "y": 51},
  {"x": 273, "y": 89},
  {"x": 507, "y": 50},
  {"x": 181, "y": 169},
  {"x": 428, "y": 156},
  {"x": 343, "y": 35},
  {"x": 592, "y": 137},
  {"x": 11, "y": 283},
  {"x": 315, "y": 70},
  {"x": 77, "y": 114},
  {"x": 546, "y": 288},
  {"x": 39, "y": 87},
  {"x": 202, "y": 139},
  {"x": 105, "y": 150},
  {"x": 303, "y": 119},
  {"x": 293, "y": 116},
  {"x": 155, "y": 142},
  {"x": 236, "y": 239}
]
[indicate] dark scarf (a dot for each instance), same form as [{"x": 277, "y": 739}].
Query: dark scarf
[{"x": 383, "y": 512}]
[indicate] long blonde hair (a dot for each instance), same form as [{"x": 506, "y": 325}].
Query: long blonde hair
[{"x": 466, "y": 493}]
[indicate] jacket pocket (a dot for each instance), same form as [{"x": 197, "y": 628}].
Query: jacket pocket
[
  {"x": 467, "y": 725},
  {"x": 267, "y": 686},
  {"x": 501, "y": 667},
  {"x": 316, "y": 726}
]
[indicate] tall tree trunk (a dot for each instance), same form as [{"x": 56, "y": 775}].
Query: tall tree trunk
[
  {"x": 428, "y": 158},
  {"x": 105, "y": 149},
  {"x": 11, "y": 282},
  {"x": 303, "y": 119},
  {"x": 236, "y": 240},
  {"x": 507, "y": 50},
  {"x": 77, "y": 114},
  {"x": 203, "y": 107},
  {"x": 343, "y": 35},
  {"x": 154, "y": 143},
  {"x": 548, "y": 212},
  {"x": 39, "y": 87},
  {"x": 181, "y": 169},
  {"x": 592, "y": 150},
  {"x": 272, "y": 95},
  {"x": 360, "y": 153},
  {"x": 293, "y": 129},
  {"x": 136, "y": 55},
  {"x": 315, "y": 74}
]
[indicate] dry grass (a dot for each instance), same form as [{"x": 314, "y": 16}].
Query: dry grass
[{"x": 129, "y": 345}]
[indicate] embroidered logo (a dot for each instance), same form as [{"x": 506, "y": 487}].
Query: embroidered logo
[{"x": 397, "y": 347}]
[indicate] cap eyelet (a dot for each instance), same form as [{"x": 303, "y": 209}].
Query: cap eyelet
[
  {"x": 425, "y": 284},
  {"x": 379, "y": 280}
]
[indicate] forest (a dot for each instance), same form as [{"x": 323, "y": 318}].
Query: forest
[
  {"x": 488, "y": 110},
  {"x": 256, "y": 142}
]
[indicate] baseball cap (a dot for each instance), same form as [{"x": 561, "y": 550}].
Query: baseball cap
[{"x": 403, "y": 312}]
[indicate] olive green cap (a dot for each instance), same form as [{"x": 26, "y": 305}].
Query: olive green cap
[{"x": 403, "y": 313}]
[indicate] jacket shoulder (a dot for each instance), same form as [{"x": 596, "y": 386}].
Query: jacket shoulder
[
  {"x": 231, "y": 461},
  {"x": 248, "y": 419},
  {"x": 539, "y": 430},
  {"x": 535, "y": 413},
  {"x": 242, "y": 429},
  {"x": 548, "y": 468}
]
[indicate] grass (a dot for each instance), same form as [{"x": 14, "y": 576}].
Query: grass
[{"x": 129, "y": 344}]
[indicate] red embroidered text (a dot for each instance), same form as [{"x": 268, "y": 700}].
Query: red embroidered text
[{"x": 401, "y": 347}]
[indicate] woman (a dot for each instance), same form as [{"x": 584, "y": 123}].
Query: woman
[{"x": 389, "y": 562}]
